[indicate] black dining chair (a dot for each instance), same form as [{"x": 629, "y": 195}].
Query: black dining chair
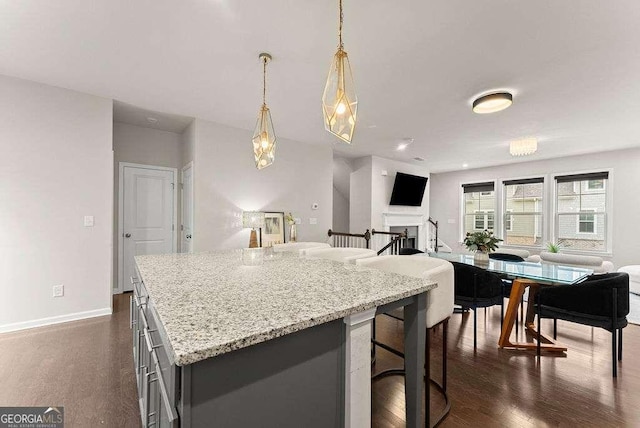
[
  {"x": 409, "y": 251},
  {"x": 506, "y": 282},
  {"x": 476, "y": 288},
  {"x": 600, "y": 301}
]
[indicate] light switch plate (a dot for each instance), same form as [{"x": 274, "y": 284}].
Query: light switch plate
[
  {"x": 298, "y": 220},
  {"x": 313, "y": 220},
  {"x": 88, "y": 221}
]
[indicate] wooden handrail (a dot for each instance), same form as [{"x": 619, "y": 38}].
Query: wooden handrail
[
  {"x": 382, "y": 232},
  {"x": 366, "y": 235},
  {"x": 435, "y": 224},
  {"x": 394, "y": 241}
]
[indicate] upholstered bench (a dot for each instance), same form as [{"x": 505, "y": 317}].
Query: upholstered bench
[{"x": 634, "y": 277}]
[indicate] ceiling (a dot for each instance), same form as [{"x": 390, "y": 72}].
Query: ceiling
[
  {"x": 572, "y": 66},
  {"x": 126, "y": 113}
]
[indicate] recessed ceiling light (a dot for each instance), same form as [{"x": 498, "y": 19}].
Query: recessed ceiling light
[
  {"x": 465, "y": 165},
  {"x": 152, "y": 119},
  {"x": 404, "y": 144},
  {"x": 525, "y": 147},
  {"x": 492, "y": 103}
]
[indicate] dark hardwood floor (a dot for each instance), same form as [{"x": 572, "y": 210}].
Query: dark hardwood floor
[{"x": 87, "y": 367}]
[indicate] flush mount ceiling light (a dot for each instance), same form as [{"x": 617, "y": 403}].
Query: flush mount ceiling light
[
  {"x": 339, "y": 100},
  {"x": 264, "y": 138},
  {"x": 525, "y": 147},
  {"x": 492, "y": 103}
]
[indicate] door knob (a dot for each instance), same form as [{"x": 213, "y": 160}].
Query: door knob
[{"x": 127, "y": 235}]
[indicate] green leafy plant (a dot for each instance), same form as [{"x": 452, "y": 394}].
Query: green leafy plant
[
  {"x": 553, "y": 247},
  {"x": 481, "y": 241},
  {"x": 290, "y": 218}
]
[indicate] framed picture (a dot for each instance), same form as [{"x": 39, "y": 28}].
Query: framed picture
[{"x": 273, "y": 230}]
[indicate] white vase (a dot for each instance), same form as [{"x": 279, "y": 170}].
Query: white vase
[
  {"x": 481, "y": 258},
  {"x": 293, "y": 233}
]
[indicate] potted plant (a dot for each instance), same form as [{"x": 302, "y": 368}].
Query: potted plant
[
  {"x": 553, "y": 247},
  {"x": 481, "y": 243}
]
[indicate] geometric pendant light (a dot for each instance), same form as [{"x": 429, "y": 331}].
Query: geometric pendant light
[
  {"x": 339, "y": 100},
  {"x": 264, "y": 138}
]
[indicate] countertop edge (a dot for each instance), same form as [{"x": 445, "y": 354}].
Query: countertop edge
[{"x": 197, "y": 356}]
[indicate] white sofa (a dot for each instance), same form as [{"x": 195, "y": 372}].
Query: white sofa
[
  {"x": 297, "y": 246},
  {"x": 526, "y": 255},
  {"x": 346, "y": 255},
  {"x": 597, "y": 264},
  {"x": 634, "y": 277}
]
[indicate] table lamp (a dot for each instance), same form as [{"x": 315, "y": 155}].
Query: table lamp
[{"x": 253, "y": 220}]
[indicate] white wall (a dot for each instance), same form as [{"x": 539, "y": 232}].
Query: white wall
[
  {"x": 135, "y": 144},
  {"x": 360, "y": 196},
  {"x": 382, "y": 187},
  {"x": 624, "y": 183},
  {"x": 340, "y": 221},
  {"x": 56, "y": 167},
  {"x": 227, "y": 183},
  {"x": 371, "y": 192}
]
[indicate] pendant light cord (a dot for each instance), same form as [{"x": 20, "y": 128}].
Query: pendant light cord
[
  {"x": 264, "y": 81},
  {"x": 340, "y": 45}
]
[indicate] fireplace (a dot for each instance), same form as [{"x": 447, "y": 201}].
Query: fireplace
[
  {"x": 412, "y": 235},
  {"x": 413, "y": 222}
]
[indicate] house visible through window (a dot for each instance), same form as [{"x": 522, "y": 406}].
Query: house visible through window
[
  {"x": 595, "y": 184},
  {"x": 479, "y": 205},
  {"x": 523, "y": 202},
  {"x": 581, "y": 211},
  {"x": 484, "y": 220},
  {"x": 587, "y": 223}
]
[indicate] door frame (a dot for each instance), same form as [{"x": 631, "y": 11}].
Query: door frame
[
  {"x": 174, "y": 232},
  {"x": 184, "y": 168}
]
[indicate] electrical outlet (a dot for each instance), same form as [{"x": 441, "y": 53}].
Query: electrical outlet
[
  {"x": 88, "y": 221},
  {"x": 313, "y": 220},
  {"x": 298, "y": 220},
  {"x": 58, "y": 290}
]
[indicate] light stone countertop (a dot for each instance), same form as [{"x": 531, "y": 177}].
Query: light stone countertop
[{"x": 210, "y": 304}]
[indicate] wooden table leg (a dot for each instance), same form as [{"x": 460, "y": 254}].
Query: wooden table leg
[{"x": 517, "y": 291}]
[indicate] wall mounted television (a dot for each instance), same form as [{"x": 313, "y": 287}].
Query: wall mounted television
[{"x": 408, "y": 190}]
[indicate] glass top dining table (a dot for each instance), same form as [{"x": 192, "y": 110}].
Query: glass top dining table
[{"x": 542, "y": 272}]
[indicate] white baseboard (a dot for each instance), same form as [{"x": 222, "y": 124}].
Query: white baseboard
[{"x": 54, "y": 320}]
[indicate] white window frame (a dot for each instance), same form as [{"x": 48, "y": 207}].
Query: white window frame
[
  {"x": 608, "y": 213},
  {"x": 461, "y": 204},
  {"x": 548, "y": 180}
]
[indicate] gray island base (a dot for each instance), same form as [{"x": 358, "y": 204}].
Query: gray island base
[{"x": 284, "y": 344}]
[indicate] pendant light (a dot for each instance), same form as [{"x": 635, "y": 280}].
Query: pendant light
[
  {"x": 339, "y": 101},
  {"x": 264, "y": 138}
]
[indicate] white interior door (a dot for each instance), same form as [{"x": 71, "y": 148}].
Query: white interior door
[
  {"x": 147, "y": 216},
  {"x": 186, "y": 235}
]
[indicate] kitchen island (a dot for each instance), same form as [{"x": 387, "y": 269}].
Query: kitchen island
[{"x": 286, "y": 343}]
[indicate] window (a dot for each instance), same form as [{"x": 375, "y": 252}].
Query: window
[
  {"x": 586, "y": 223},
  {"x": 508, "y": 221},
  {"x": 479, "y": 204},
  {"x": 523, "y": 202},
  {"x": 595, "y": 184},
  {"x": 483, "y": 220},
  {"x": 581, "y": 211}
]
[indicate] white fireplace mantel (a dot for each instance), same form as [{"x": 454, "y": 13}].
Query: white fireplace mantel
[{"x": 403, "y": 219}]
